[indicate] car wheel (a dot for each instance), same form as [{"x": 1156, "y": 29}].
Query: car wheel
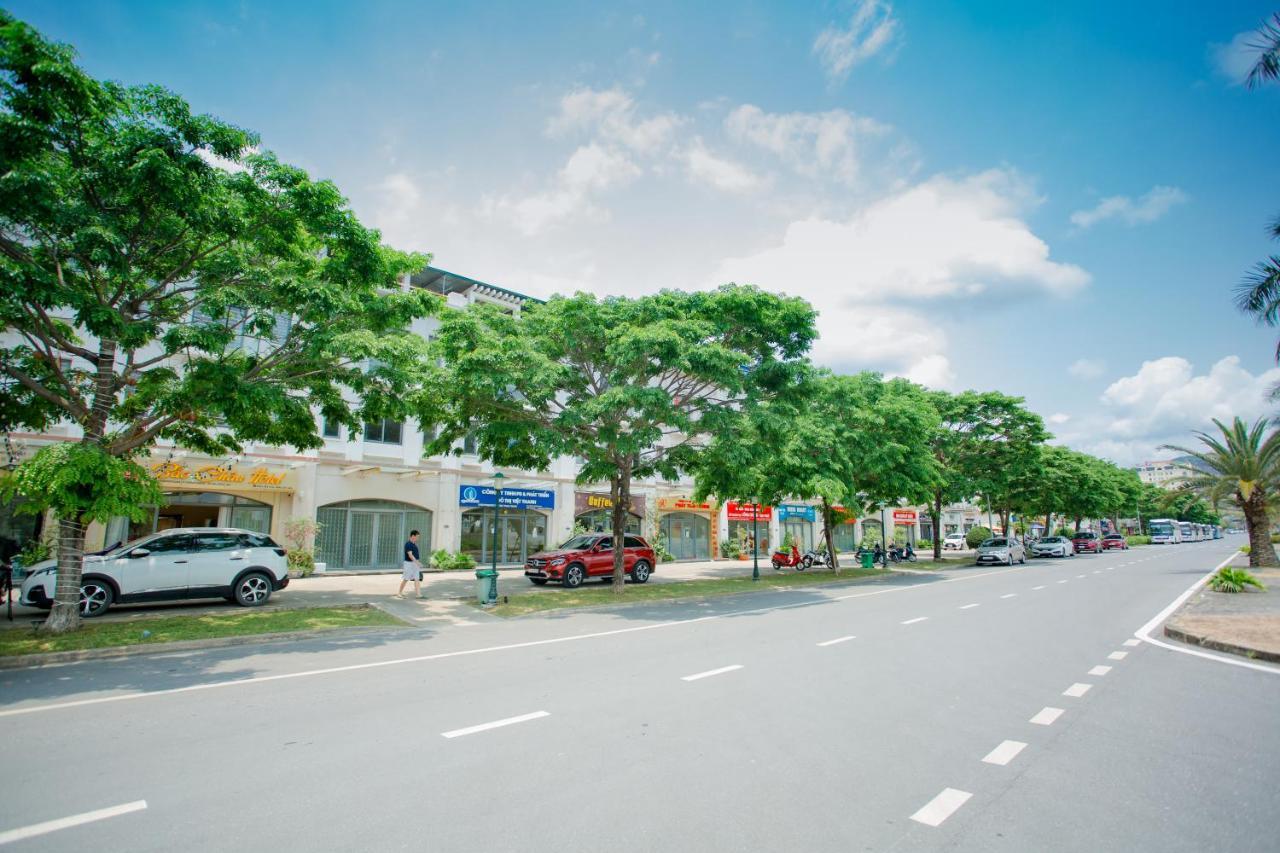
[
  {"x": 538, "y": 581},
  {"x": 95, "y": 598},
  {"x": 253, "y": 590},
  {"x": 573, "y": 576},
  {"x": 640, "y": 572}
]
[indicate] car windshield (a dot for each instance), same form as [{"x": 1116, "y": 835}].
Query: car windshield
[
  {"x": 1085, "y": 536},
  {"x": 578, "y": 543},
  {"x": 995, "y": 543},
  {"x": 1051, "y": 540},
  {"x": 1113, "y": 536}
]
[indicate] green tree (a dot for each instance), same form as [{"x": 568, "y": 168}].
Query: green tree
[
  {"x": 853, "y": 441},
  {"x": 632, "y": 387},
  {"x": 1267, "y": 42},
  {"x": 161, "y": 279},
  {"x": 985, "y": 444},
  {"x": 1242, "y": 463}
]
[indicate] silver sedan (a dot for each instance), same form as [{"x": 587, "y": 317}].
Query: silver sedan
[
  {"x": 1001, "y": 550},
  {"x": 1053, "y": 546}
]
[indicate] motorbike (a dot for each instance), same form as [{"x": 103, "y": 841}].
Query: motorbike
[
  {"x": 814, "y": 557},
  {"x": 781, "y": 560},
  {"x": 902, "y": 555}
]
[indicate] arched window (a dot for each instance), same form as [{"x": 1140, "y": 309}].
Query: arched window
[
  {"x": 369, "y": 534},
  {"x": 688, "y": 535}
]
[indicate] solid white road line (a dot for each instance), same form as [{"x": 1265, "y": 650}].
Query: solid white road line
[
  {"x": 1077, "y": 690},
  {"x": 721, "y": 671},
  {"x": 1144, "y": 633},
  {"x": 1037, "y": 587},
  {"x": 967, "y": 606},
  {"x": 1100, "y": 670},
  {"x": 941, "y": 807},
  {"x": 496, "y": 724},
  {"x": 48, "y": 826},
  {"x": 1047, "y": 716},
  {"x": 1005, "y": 752},
  {"x": 1132, "y": 643},
  {"x": 838, "y": 640},
  {"x": 1118, "y": 655},
  {"x": 915, "y": 620},
  {"x": 1010, "y": 595}
]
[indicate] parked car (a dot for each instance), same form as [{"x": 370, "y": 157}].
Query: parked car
[
  {"x": 1087, "y": 540},
  {"x": 1001, "y": 550},
  {"x": 1115, "y": 540},
  {"x": 590, "y": 556},
  {"x": 1053, "y": 546},
  {"x": 192, "y": 562},
  {"x": 954, "y": 542}
]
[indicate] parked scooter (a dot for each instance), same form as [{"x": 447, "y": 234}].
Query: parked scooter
[
  {"x": 902, "y": 555},
  {"x": 781, "y": 560},
  {"x": 813, "y": 557}
]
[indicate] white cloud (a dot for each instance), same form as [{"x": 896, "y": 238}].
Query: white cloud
[
  {"x": 871, "y": 29},
  {"x": 590, "y": 169},
  {"x": 817, "y": 145},
  {"x": 894, "y": 340},
  {"x": 1166, "y": 399},
  {"x": 1235, "y": 59},
  {"x": 610, "y": 115},
  {"x": 1058, "y": 418},
  {"x": 708, "y": 168},
  {"x": 942, "y": 237},
  {"x": 1150, "y": 207},
  {"x": 1087, "y": 368}
]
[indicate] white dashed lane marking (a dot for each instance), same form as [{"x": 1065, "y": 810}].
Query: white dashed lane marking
[
  {"x": 1100, "y": 670},
  {"x": 1010, "y": 595},
  {"x": 1047, "y": 716},
  {"x": 915, "y": 620},
  {"x": 1005, "y": 752},
  {"x": 838, "y": 640},
  {"x": 1117, "y": 655},
  {"x": 1077, "y": 690},
  {"x": 721, "y": 671},
  {"x": 967, "y": 606},
  {"x": 496, "y": 724},
  {"x": 1132, "y": 643},
  {"x": 941, "y": 807},
  {"x": 1062, "y": 581},
  {"x": 1034, "y": 588},
  {"x": 35, "y": 829}
]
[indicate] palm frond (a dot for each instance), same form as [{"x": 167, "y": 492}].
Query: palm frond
[
  {"x": 1266, "y": 40},
  {"x": 1259, "y": 292},
  {"x": 1274, "y": 227}
]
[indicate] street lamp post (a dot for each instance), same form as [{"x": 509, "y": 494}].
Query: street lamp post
[
  {"x": 755, "y": 541},
  {"x": 497, "y": 502}
]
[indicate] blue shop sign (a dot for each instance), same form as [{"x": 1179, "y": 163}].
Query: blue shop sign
[
  {"x": 800, "y": 511},
  {"x": 512, "y": 497}
]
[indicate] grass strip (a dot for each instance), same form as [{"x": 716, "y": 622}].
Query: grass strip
[
  {"x": 598, "y": 594},
  {"x": 170, "y": 629}
]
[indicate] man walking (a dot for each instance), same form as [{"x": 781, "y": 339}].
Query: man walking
[{"x": 412, "y": 567}]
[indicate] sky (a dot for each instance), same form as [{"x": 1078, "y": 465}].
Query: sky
[{"x": 1050, "y": 200}]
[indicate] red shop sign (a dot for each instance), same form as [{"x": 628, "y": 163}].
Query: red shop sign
[
  {"x": 743, "y": 512},
  {"x": 904, "y": 516}
]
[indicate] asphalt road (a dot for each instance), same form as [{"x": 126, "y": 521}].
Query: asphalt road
[{"x": 850, "y": 718}]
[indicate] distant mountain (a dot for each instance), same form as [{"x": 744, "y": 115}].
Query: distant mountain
[{"x": 1192, "y": 462}]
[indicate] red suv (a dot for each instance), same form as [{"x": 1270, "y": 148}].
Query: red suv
[
  {"x": 1115, "y": 540},
  {"x": 1087, "y": 540},
  {"x": 590, "y": 556}
]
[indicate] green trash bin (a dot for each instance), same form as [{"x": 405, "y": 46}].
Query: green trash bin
[
  {"x": 868, "y": 560},
  {"x": 486, "y": 586}
]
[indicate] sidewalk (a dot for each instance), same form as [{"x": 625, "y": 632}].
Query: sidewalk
[{"x": 1242, "y": 623}]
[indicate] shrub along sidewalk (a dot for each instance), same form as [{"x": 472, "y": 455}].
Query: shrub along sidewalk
[
  {"x": 171, "y": 629},
  {"x": 597, "y": 595}
]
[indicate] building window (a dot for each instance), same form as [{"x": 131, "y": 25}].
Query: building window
[
  {"x": 469, "y": 444},
  {"x": 384, "y": 431},
  {"x": 330, "y": 429},
  {"x": 369, "y": 534}
]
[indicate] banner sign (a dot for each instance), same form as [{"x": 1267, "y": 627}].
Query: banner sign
[
  {"x": 667, "y": 504},
  {"x": 743, "y": 512},
  {"x": 904, "y": 516},
  {"x": 512, "y": 498},
  {"x": 258, "y": 478},
  {"x": 803, "y": 512},
  {"x": 584, "y": 502}
]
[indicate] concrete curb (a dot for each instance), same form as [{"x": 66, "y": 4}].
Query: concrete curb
[
  {"x": 58, "y": 658},
  {"x": 1220, "y": 646}
]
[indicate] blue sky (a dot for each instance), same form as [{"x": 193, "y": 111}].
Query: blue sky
[{"x": 1052, "y": 200}]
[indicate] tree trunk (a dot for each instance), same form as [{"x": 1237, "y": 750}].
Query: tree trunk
[
  {"x": 1004, "y": 523},
  {"x": 65, "y": 615},
  {"x": 1048, "y": 524},
  {"x": 1078, "y": 520},
  {"x": 829, "y": 535},
  {"x": 1258, "y": 522},
  {"x": 620, "y": 494},
  {"x": 936, "y": 512}
]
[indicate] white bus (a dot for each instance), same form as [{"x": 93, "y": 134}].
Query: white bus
[
  {"x": 1164, "y": 531},
  {"x": 1188, "y": 531}
]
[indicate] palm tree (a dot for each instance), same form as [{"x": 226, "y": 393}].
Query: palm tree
[
  {"x": 1243, "y": 465},
  {"x": 1267, "y": 41}
]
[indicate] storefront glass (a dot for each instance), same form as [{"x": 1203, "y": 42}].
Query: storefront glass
[
  {"x": 740, "y": 532},
  {"x": 844, "y": 535},
  {"x": 871, "y": 532},
  {"x": 17, "y": 529},
  {"x": 369, "y": 534},
  {"x": 521, "y": 532},
  {"x": 688, "y": 535},
  {"x": 801, "y": 532},
  {"x": 601, "y": 521},
  {"x": 194, "y": 509}
]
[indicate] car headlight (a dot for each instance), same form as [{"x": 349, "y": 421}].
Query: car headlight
[{"x": 557, "y": 561}]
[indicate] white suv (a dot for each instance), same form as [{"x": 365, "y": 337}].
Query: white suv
[{"x": 188, "y": 562}]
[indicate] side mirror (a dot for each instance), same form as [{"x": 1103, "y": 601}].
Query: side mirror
[{"x": 139, "y": 552}]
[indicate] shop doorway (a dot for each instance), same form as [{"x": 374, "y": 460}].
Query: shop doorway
[
  {"x": 801, "y": 532},
  {"x": 688, "y": 535},
  {"x": 368, "y": 535},
  {"x": 521, "y": 532},
  {"x": 194, "y": 509}
]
